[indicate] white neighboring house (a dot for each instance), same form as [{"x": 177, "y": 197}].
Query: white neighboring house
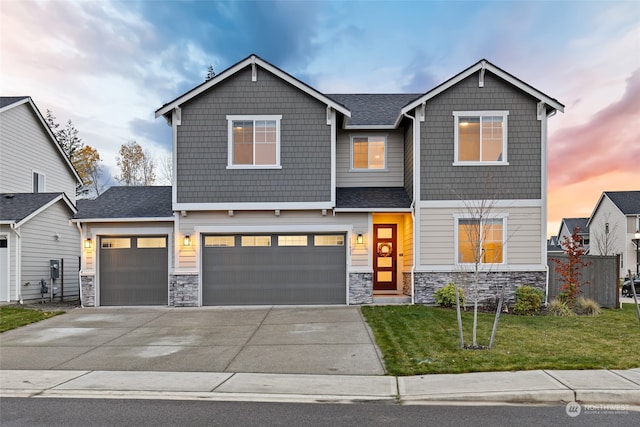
[
  {"x": 37, "y": 201},
  {"x": 615, "y": 219}
]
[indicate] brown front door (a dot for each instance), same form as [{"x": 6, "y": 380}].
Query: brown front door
[{"x": 384, "y": 257}]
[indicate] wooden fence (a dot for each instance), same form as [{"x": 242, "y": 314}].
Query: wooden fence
[{"x": 602, "y": 274}]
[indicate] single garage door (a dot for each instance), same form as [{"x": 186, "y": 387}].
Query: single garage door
[
  {"x": 274, "y": 269},
  {"x": 133, "y": 270}
]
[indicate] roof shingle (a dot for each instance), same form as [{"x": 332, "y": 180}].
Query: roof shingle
[
  {"x": 372, "y": 198},
  {"x": 627, "y": 201},
  {"x": 18, "y": 206},
  {"x": 128, "y": 202}
]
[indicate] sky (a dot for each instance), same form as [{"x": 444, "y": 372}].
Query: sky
[{"x": 108, "y": 65}]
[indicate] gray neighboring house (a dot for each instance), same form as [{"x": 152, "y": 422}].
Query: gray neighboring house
[
  {"x": 286, "y": 195},
  {"x": 613, "y": 222},
  {"x": 567, "y": 225},
  {"x": 37, "y": 201}
]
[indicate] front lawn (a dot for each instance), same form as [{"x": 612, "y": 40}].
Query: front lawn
[
  {"x": 12, "y": 317},
  {"x": 424, "y": 340}
]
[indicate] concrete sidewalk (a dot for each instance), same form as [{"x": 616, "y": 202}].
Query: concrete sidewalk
[{"x": 538, "y": 387}]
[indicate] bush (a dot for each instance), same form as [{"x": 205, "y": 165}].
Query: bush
[
  {"x": 446, "y": 296},
  {"x": 587, "y": 307},
  {"x": 528, "y": 300},
  {"x": 557, "y": 307}
]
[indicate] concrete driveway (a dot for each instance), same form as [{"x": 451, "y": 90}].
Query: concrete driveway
[{"x": 292, "y": 340}]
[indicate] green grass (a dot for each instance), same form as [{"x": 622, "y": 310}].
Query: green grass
[
  {"x": 12, "y": 317},
  {"x": 418, "y": 340}
]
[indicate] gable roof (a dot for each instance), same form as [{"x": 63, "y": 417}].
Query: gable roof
[
  {"x": 571, "y": 223},
  {"x": 253, "y": 61},
  {"x": 481, "y": 66},
  {"x": 627, "y": 202},
  {"x": 9, "y": 102},
  {"x": 368, "y": 198},
  {"x": 371, "y": 111},
  {"x": 127, "y": 203},
  {"x": 19, "y": 208}
]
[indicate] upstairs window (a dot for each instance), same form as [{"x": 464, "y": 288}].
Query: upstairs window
[
  {"x": 38, "y": 182},
  {"x": 368, "y": 153},
  {"x": 254, "y": 141},
  {"x": 480, "y": 137}
]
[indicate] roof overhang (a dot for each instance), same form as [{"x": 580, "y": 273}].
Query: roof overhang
[
  {"x": 481, "y": 66},
  {"x": 61, "y": 196},
  {"x": 252, "y": 60},
  {"x": 376, "y": 210},
  {"x": 140, "y": 219}
]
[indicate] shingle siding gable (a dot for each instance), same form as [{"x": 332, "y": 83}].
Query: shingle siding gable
[
  {"x": 305, "y": 150},
  {"x": 521, "y": 179}
]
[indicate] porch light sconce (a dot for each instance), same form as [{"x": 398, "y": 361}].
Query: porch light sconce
[
  {"x": 187, "y": 240},
  {"x": 359, "y": 239},
  {"x": 88, "y": 243}
]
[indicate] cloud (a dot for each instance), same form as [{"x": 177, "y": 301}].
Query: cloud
[
  {"x": 608, "y": 141},
  {"x": 155, "y": 130}
]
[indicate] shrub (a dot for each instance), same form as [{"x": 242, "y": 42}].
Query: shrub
[
  {"x": 587, "y": 307},
  {"x": 557, "y": 307},
  {"x": 446, "y": 296},
  {"x": 528, "y": 300}
]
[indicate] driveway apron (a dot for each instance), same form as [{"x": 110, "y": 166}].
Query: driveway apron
[{"x": 287, "y": 340}]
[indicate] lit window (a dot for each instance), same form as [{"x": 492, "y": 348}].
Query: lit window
[
  {"x": 152, "y": 242},
  {"x": 480, "y": 242},
  {"x": 368, "y": 152},
  {"x": 255, "y": 241},
  {"x": 480, "y": 137},
  {"x": 292, "y": 240},
  {"x": 115, "y": 243},
  {"x": 254, "y": 141},
  {"x": 219, "y": 241},
  {"x": 328, "y": 240}
]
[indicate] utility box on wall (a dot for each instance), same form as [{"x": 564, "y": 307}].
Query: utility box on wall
[{"x": 54, "y": 268}]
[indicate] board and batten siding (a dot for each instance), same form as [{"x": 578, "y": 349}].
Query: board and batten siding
[
  {"x": 202, "y": 144},
  {"x": 47, "y": 236},
  {"x": 298, "y": 220},
  {"x": 392, "y": 176},
  {"x": 523, "y": 235},
  {"x": 25, "y": 148}
]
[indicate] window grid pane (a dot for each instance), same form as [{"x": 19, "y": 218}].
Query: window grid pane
[
  {"x": 219, "y": 241},
  {"x": 116, "y": 243},
  {"x": 292, "y": 241},
  {"x": 152, "y": 242},
  {"x": 255, "y": 241},
  {"x": 328, "y": 240},
  {"x": 482, "y": 243},
  {"x": 480, "y": 138}
]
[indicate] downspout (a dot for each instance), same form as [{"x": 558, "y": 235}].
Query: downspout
[
  {"x": 81, "y": 262},
  {"x": 18, "y": 263},
  {"x": 544, "y": 180},
  {"x": 413, "y": 207}
]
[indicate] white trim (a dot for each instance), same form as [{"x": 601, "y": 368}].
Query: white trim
[
  {"x": 374, "y": 210},
  {"x": 334, "y": 168},
  {"x": 61, "y": 196},
  {"x": 143, "y": 219},
  {"x": 7, "y": 270},
  {"x": 128, "y": 231},
  {"x": 252, "y": 59},
  {"x": 44, "y": 182},
  {"x": 480, "y": 114},
  {"x": 384, "y": 136},
  {"x": 369, "y": 127},
  {"x": 458, "y": 216},
  {"x": 493, "y": 69},
  {"x": 503, "y": 268},
  {"x": 507, "y": 203},
  {"x": 174, "y": 172},
  {"x": 303, "y": 228},
  {"x": 253, "y": 118},
  {"x": 543, "y": 189},
  {"x": 250, "y": 206}
]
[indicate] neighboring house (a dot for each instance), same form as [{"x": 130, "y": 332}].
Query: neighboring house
[
  {"x": 37, "y": 200},
  {"x": 553, "y": 246},
  {"x": 613, "y": 222},
  {"x": 567, "y": 225},
  {"x": 286, "y": 195}
]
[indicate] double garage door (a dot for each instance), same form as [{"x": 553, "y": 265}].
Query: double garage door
[{"x": 274, "y": 269}]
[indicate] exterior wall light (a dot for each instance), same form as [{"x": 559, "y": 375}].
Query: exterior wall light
[
  {"x": 88, "y": 243},
  {"x": 359, "y": 239},
  {"x": 187, "y": 240}
]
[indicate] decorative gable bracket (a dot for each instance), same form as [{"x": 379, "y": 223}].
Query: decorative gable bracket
[
  {"x": 483, "y": 68},
  {"x": 541, "y": 110}
]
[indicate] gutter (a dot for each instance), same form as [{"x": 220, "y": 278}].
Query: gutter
[{"x": 16, "y": 230}]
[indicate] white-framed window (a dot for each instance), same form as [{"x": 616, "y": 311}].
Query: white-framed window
[
  {"x": 480, "y": 137},
  {"x": 480, "y": 241},
  {"x": 254, "y": 142},
  {"x": 38, "y": 183},
  {"x": 368, "y": 153}
]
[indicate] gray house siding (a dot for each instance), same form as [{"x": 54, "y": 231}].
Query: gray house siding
[
  {"x": 408, "y": 159},
  {"x": 521, "y": 179},
  {"x": 202, "y": 145}
]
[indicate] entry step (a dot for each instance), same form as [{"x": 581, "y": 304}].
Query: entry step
[{"x": 391, "y": 299}]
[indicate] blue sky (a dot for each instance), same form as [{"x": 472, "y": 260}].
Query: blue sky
[{"x": 108, "y": 65}]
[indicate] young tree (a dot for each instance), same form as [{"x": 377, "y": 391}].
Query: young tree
[
  {"x": 210, "y": 73},
  {"x": 570, "y": 271},
  {"x": 136, "y": 165}
]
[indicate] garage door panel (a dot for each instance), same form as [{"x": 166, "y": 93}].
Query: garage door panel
[
  {"x": 274, "y": 274},
  {"x": 133, "y": 276}
]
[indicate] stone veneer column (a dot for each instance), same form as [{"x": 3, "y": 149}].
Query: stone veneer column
[
  {"x": 360, "y": 288},
  {"x": 88, "y": 284},
  {"x": 183, "y": 290}
]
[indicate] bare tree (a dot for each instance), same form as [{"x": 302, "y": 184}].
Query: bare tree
[
  {"x": 136, "y": 165},
  {"x": 603, "y": 236},
  {"x": 166, "y": 169}
]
